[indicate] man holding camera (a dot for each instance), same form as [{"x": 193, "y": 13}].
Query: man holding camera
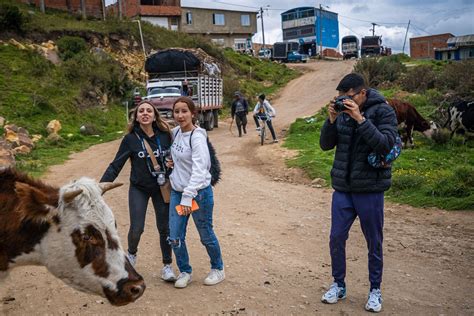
[{"x": 360, "y": 122}]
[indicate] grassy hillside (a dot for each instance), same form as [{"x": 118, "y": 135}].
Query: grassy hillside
[{"x": 34, "y": 91}]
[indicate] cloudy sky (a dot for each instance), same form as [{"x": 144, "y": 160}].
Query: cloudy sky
[{"x": 355, "y": 17}]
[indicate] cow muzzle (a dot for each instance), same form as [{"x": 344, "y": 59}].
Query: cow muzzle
[{"x": 128, "y": 292}]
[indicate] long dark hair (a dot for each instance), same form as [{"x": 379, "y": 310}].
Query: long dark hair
[
  {"x": 159, "y": 123},
  {"x": 190, "y": 104}
]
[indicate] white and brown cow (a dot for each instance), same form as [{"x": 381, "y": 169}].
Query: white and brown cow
[
  {"x": 409, "y": 119},
  {"x": 70, "y": 230}
]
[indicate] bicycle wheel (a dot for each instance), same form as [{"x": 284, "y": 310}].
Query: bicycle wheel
[{"x": 262, "y": 134}]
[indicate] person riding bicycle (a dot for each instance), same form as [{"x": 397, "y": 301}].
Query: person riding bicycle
[{"x": 265, "y": 111}]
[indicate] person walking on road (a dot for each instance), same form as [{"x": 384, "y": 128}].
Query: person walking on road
[
  {"x": 265, "y": 111},
  {"x": 367, "y": 124},
  {"x": 148, "y": 126},
  {"x": 239, "y": 111},
  {"x": 191, "y": 182}
]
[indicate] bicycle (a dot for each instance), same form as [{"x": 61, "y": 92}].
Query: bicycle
[{"x": 261, "y": 122}]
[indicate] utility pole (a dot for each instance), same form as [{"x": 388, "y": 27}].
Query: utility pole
[
  {"x": 42, "y": 6},
  {"x": 263, "y": 29},
  {"x": 320, "y": 24},
  {"x": 403, "y": 50},
  {"x": 83, "y": 9},
  {"x": 119, "y": 2},
  {"x": 373, "y": 28}
]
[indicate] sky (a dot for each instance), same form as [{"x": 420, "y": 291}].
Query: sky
[{"x": 355, "y": 17}]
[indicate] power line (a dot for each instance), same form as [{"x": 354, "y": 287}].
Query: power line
[
  {"x": 382, "y": 23},
  {"x": 238, "y": 5},
  {"x": 350, "y": 29}
]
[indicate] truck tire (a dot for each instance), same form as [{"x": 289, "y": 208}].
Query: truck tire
[
  {"x": 216, "y": 117},
  {"x": 209, "y": 121}
]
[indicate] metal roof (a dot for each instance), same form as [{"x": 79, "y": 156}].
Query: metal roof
[{"x": 466, "y": 40}]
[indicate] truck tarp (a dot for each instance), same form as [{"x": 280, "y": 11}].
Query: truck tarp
[{"x": 172, "y": 61}]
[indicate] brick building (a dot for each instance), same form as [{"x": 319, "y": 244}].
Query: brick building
[{"x": 424, "y": 47}]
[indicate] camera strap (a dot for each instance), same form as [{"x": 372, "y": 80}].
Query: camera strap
[{"x": 147, "y": 147}]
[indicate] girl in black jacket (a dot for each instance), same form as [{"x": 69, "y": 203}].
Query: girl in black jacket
[{"x": 146, "y": 125}]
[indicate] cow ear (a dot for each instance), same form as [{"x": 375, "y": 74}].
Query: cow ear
[
  {"x": 34, "y": 199},
  {"x": 106, "y": 186}
]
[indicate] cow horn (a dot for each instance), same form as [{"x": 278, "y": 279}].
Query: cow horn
[
  {"x": 70, "y": 195},
  {"x": 106, "y": 186}
]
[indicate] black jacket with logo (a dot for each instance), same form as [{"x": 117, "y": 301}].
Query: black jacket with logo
[
  {"x": 131, "y": 147},
  {"x": 351, "y": 171}
]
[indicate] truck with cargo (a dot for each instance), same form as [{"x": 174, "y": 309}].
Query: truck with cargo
[
  {"x": 350, "y": 47},
  {"x": 288, "y": 52},
  {"x": 176, "y": 72},
  {"x": 371, "y": 46}
]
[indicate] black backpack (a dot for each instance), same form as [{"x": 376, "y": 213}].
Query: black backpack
[{"x": 215, "y": 170}]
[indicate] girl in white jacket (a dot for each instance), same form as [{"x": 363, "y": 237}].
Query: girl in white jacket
[{"x": 191, "y": 180}]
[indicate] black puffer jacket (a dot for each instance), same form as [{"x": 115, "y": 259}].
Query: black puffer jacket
[
  {"x": 351, "y": 171},
  {"x": 131, "y": 147}
]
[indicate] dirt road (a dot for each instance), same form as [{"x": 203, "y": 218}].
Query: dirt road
[{"x": 273, "y": 228}]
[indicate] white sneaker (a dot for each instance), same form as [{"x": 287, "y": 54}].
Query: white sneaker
[
  {"x": 334, "y": 294},
  {"x": 132, "y": 258},
  {"x": 167, "y": 273},
  {"x": 214, "y": 277},
  {"x": 275, "y": 140},
  {"x": 183, "y": 280},
  {"x": 257, "y": 129},
  {"x": 374, "y": 302}
]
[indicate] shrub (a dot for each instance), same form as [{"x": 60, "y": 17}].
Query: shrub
[
  {"x": 406, "y": 181},
  {"x": 441, "y": 136},
  {"x": 458, "y": 77},
  {"x": 459, "y": 184},
  {"x": 379, "y": 70},
  {"x": 70, "y": 46},
  {"x": 419, "y": 78},
  {"x": 39, "y": 65},
  {"x": 11, "y": 18}
]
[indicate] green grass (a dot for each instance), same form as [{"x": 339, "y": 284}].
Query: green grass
[{"x": 429, "y": 175}]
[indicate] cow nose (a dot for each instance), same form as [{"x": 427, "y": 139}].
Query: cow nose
[{"x": 134, "y": 289}]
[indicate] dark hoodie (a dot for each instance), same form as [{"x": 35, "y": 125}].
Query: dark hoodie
[
  {"x": 351, "y": 171},
  {"x": 131, "y": 147}
]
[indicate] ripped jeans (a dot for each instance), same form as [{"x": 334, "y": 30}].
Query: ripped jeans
[{"x": 203, "y": 220}]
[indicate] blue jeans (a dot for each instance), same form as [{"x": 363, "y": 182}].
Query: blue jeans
[
  {"x": 345, "y": 208},
  {"x": 203, "y": 220}
]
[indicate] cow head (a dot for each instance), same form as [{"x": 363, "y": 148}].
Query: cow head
[
  {"x": 431, "y": 128},
  {"x": 82, "y": 246}
]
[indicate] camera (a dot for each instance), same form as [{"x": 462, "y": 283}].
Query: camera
[
  {"x": 160, "y": 178},
  {"x": 339, "y": 105}
]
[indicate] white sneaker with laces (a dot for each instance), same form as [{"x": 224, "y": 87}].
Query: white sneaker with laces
[
  {"x": 374, "y": 302},
  {"x": 167, "y": 273},
  {"x": 334, "y": 294},
  {"x": 132, "y": 258},
  {"x": 183, "y": 280},
  {"x": 214, "y": 277}
]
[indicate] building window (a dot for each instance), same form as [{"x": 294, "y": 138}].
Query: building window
[
  {"x": 189, "y": 18},
  {"x": 218, "y": 41},
  {"x": 245, "y": 20},
  {"x": 240, "y": 44},
  {"x": 218, "y": 19}
]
